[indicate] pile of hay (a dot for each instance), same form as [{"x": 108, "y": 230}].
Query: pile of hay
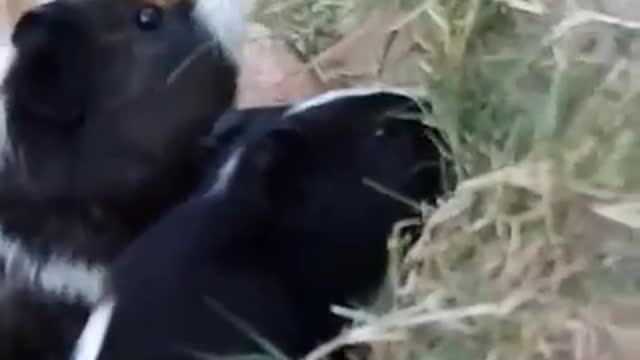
[{"x": 535, "y": 253}]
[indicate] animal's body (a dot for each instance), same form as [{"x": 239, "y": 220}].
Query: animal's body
[
  {"x": 331, "y": 217},
  {"x": 282, "y": 228},
  {"x": 104, "y": 102},
  {"x": 178, "y": 290}
]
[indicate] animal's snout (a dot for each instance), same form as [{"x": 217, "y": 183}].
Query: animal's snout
[{"x": 55, "y": 20}]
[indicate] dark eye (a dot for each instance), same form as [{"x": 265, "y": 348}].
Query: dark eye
[{"x": 149, "y": 17}]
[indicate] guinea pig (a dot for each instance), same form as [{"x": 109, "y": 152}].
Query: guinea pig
[
  {"x": 103, "y": 105},
  {"x": 104, "y": 102},
  {"x": 201, "y": 281},
  {"x": 356, "y": 164},
  {"x": 287, "y": 229}
]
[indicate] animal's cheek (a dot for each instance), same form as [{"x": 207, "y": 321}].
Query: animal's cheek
[
  {"x": 112, "y": 177},
  {"x": 118, "y": 80}
]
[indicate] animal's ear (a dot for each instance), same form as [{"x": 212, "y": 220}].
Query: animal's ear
[
  {"x": 344, "y": 114},
  {"x": 274, "y": 152},
  {"x": 274, "y": 157},
  {"x": 51, "y": 72}
]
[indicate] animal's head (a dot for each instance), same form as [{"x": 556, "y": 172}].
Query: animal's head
[
  {"x": 333, "y": 141},
  {"x": 107, "y": 97},
  {"x": 344, "y": 167}
]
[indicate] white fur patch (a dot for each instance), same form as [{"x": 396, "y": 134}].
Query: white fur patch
[
  {"x": 338, "y": 94},
  {"x": 7, "y": 54},
  {"x": 91, "y": 340},
  {"x": 226, "y": 173},
  {"x": 226, "y": 20},
  {"x": 5, "y": 148},
  {"x": 62, "y": 277}
]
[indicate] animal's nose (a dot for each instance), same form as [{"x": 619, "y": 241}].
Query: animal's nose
[{"x": 38, "y": 26}]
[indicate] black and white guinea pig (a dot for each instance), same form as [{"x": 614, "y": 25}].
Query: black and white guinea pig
[
  {"x": 282, "y": 228},
  {"x": 354, "y": 159},
  {"x": 103, "y": 105}
]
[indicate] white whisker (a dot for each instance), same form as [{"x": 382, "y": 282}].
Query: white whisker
[{"x": 188, "y": 60}]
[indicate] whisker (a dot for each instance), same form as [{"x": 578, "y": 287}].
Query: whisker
[
  {"x": 173, "y": 75},
  {"x": 188, "y": 60}
]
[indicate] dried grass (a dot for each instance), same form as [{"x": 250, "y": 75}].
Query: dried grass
[{"x": 536, "y": 253}]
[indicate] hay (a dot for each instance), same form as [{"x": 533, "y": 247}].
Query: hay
[{"x": 535, "y": 254}]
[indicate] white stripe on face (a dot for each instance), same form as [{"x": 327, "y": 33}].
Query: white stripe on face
[
  {"x": 338, "y": 94},
  {"x": 225, "y": 173}
]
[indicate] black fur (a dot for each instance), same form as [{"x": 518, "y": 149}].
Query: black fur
[
  {"x": 102, "y": 120},
  {"x": 295, "y": 232},
  {"x": 102, "y": 133},
  {"x": 37, "y": 327},
  {"x": 329, "y": 227},
  {"x": 179, "y": 287}
]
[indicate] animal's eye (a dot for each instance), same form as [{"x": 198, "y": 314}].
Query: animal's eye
[{"x": 149, "y": 17}]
